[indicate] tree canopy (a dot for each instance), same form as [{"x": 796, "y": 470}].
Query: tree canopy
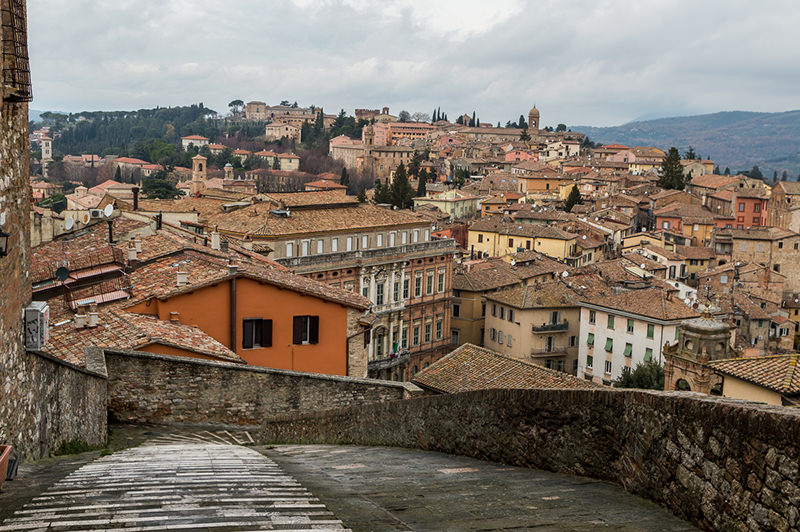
[
  {"x": 573, "y": 199},
  {"x": 671, "y": 171},
  {"x": 648, "y": 376},
  {"x": 402, "y": 193}
]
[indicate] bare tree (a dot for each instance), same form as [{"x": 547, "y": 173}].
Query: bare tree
[{"x": 421, "y": 117}]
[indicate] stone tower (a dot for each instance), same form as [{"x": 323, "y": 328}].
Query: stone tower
[
  {"x": 47, "y": 154},
  {"x": 198, "y": 183},
  {"x": 700, "y": 341},
  {"x": 533, "y": 120},
  {"x": 228, "y": 171}
]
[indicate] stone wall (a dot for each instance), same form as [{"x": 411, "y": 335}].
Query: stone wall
[
  {"x": 152, "y": 388},
  {"x": 719, "y": 463}
]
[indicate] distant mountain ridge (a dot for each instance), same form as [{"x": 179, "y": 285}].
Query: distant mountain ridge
[{"x": 736, "y": 139}]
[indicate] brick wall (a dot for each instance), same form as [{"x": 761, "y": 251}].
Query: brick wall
[
  {"x": 719, "y": 463},
  {"x": 146, "y": 387}
]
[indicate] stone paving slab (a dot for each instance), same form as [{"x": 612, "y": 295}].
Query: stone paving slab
[
  {"x": 378, "y": 489},
  {"x": 176, "y": 484}
]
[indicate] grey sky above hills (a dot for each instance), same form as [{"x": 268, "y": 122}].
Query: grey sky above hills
[{"x": 584, "y": 62}]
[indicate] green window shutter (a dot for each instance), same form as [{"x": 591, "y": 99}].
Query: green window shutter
[
  {"x": 610, "y": 321},
  {"x": 589, "y": 361},
  {"x": 651, "y": 330},
  {"x": 609, "y": 344},
  {"x": 628, "y": 350},
  {"x": 590, "y": 339},
  {"x": 648, "y": 354}
]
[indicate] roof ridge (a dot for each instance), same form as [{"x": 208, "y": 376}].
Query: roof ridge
[{"x": 789, "y": 376}]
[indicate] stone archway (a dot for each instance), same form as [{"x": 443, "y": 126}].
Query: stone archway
[{"x": 682, "y": 385}]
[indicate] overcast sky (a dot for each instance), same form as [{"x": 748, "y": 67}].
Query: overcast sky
[{"x": 597, "y": 62}]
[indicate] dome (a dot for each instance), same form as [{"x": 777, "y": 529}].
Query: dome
[
  {"x": 706, "y": 324},
  {"x": 533, "y": 111},
  {"x": 228, "y": 165}
]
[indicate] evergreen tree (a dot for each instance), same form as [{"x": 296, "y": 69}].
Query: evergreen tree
[
  {"x": 276, "y": 163},
  {"x": 472, "y": 122},
  {"x": 445, "y": 117},
  {"x": 478, "y": 123},
  {"x": 345, "y": 179},
  {"x": 727, "y": 171},
  {"x": 716, "y": 170},
  {"x": 118, "y": 174},
  {"x": 434, "y": 117},
  {"x": 573, "y": 199},
  {"x": 381, "y": 192},
  {"x": 362, "y": 195},
  {"x": 671, "y": 171},
  {"x": 785, "y": 176},
  {"x": 401, "y": 191},
  {"x": 524, "y": 134},
  {"x": 648, "y": 376},
  {"x": 756, "y": 173},
  {"x": 774, "y": 176},
  {"x": 690, "y": 154},
  {"x": 522, "y": 124},
  {"x": 423, "y": 178}
]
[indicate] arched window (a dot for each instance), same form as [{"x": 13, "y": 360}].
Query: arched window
[{"x": 683, "y": 386}]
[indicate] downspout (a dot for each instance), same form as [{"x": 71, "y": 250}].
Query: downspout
[{"x": 233, "y": 313}]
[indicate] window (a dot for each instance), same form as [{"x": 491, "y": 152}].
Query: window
[
  {"x": 334, "y": 245},
  {"x": 554, "y": 317},
  {"x": 305, "y": 330},
  {"x": 480, "y": 238},
  {"x": 592, "y": 316},
  {"x": 416, "y": 236},
  {"x": 630, "y": 326},
  {"x": 780, "y": 245},
  {"x": 511, "y": 315},
  {"x": 440, "y": 282},
  {"x": 744, "y": 245},
  {"x": 499, "y": 337},
  {"x": 454, "y": 336},
  {"x": 256, "y": 333},
  {"x": 757, "y": 208},
  {"x": 511, "y": 242},
  {"x": 349, "y": 243},
  {"x": 404, "y": 237},
  {"x": 648, "y": 355},
  {"x": 304, "y": 245},
  {"x": 573, "y": 340},
  {"x": 590, "y": 340},
  {"x": 589, "y": 362},
  {"x": 365, "y": 289},
  {"x": 427, "y": 235},
  {"x": 406, "y": 288},
  {"x": 392, "y": 239},
  {"x": 610, "y": 321},
  {"x": 502, "y": 313},
  {"x": 365, "y": 242},
  {"x": 493, "y": 334},
  {"x": 651, "y": 329},
  {"x": 776, "y": 267},
  {"x": 494, "y": 310},
  {"x": 664, "y": 225},
  {"x": 608, "y": 367},
  {"x": 379, "y": 294},
  {"x": 439, "y": 326},
  {"x": 628, "y": 350},
  {"x": 427, "y": 332},
  {"x": 404, "y": 338},
  {"x": 320, "y": 246},
  {"x": 609, "y": 344},
  {"x": 508, "y": 340},
  {"x": 723, "y": 279},
  {"x": 456, "y": 310},
  {"x": 418, "y": 285},
  {"x": 429, "y": 283},
  {"x": 483, "y": 308},
  {"x": 415, "y": 336},
  {"x": 396, "y": 291},
  {"x": 290, "y": 249},
  {"x": 741, "y": 206}
]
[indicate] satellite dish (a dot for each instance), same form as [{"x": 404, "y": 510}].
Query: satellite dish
[
  {"x": 69, "y": 223},
  {"x": 85, "y": 218},
  {"x": 109, "y": 210},
  {"x": 62, "y": 273},
  {"x": 565, "y": 274},
  {"x": 643, "y": 266}
]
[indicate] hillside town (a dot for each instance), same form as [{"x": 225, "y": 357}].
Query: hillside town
[{"x": 422, "y": 236}]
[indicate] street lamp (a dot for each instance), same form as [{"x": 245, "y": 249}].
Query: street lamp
[{"x": 4, "y": 243}]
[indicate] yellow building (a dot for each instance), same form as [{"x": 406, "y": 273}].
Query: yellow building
[
  {"x": 771, "y": 379},
  {"x": 454, "y": 203},
  {"x": 497, "y": 237}
]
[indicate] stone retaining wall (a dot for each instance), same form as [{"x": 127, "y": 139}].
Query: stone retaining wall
[
  {"x": 152, "y": 388},
  {"x": 719, "y": 463}
]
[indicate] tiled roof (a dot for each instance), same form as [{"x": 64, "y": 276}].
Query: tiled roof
[
  {"x": 776, "y": 372},
  {"x": 648, "y": 302},
  {"x": 686, "y": 212},
  {"x": 713, "y": 180},
  {"x": 551, "y": 294},
  {"x": 761, "y": 233},
  {"x": 505, "y": 226},
  {"x": 476, "y": 368},
  {"x": 486, "y": 275},
  {"x": 696, "y": 252},
  {"x": 195, "y": 137}
]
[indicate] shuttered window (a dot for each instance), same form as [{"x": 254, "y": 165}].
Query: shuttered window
[
  {"x": 305, "y": 330},
  {"x": 256, "y": 332}
]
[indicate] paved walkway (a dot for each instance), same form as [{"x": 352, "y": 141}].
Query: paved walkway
[
  {"x": 377, "y": 489},
  {"x": 177, "y": 482}
]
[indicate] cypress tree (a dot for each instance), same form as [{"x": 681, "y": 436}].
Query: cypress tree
[
  {"x": 472, "y": 123},
  {"x": 727, "y": 171},
  {"x": 573, "y": 199},
  {"x": 345, "y": 179},
  {"x": 362, "y": 195},
  {"x": 401, "y": 191},
  {"x": 671, "y": 171},
  {"x": 423, "y": 178},
  {"x": 716, "y": 170}
]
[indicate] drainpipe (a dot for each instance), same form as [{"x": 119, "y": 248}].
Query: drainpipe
[{"x": 233, "y": 314}]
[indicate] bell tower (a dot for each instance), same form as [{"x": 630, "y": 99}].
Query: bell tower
[
  {"x": 533, "y": 120},
  {"x": 198, "y": 183}
]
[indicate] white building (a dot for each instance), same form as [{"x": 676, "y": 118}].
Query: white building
[
  {"x": 627, "y": 329},
  {"x": 198, "y": 141}
]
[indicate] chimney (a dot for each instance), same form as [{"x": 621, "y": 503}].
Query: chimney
[
  {"x": 110, "y": 231},
  {"x": 215, "y": 241},
  {"x": 93, "y": 317},
  {"x": 183, "y": 277},
  {"x": 137, "y": 243},
  {"x": 135, "y": 191},
  {"x": 232, "y": 268},
  {"x": 80, "y": 319},
  {"x": 175, "y": 317},
  {"x": 159, "y": 217},
  {"x": 132, "y": 253}
]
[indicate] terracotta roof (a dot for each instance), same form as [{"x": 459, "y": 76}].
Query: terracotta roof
[
  {"x": 551, "y": 294},
  {"x": 648, "y": 302},
  {"x": 762, "y": 233},
  {"x": 486, "y": 275},
  {"x": 505, "y": 226},
  {"x": 323, "y": 183},
  {"x": 686, "y": 212},
  {"x": 194, "y": 137},
  {"x": 696, "y": 252},
  {"x": 778, "y": 373},
  {"x": 476, "y": 368},
  {"x": 713, "y": 181}
]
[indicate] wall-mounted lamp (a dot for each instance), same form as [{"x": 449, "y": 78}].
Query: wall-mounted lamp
[{"x": 4, "y": 243}]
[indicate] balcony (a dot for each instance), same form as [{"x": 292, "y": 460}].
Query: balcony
[
  {"x": 368, "y": 256},
  {"x": 390, "y": 362},
  {"x": 550, "y": 327},
  {"x": 555, "y": 351}
]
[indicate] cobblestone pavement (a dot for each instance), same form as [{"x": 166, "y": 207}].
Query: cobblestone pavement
[
  {"x": 202, "y": 481},
  {"x": 377, "y": 489}
]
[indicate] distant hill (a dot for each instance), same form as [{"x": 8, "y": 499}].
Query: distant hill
[{"x": 737, "y": 139}]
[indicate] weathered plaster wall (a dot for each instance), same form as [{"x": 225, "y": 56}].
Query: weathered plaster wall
[{"x": 722, "y": 464}]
